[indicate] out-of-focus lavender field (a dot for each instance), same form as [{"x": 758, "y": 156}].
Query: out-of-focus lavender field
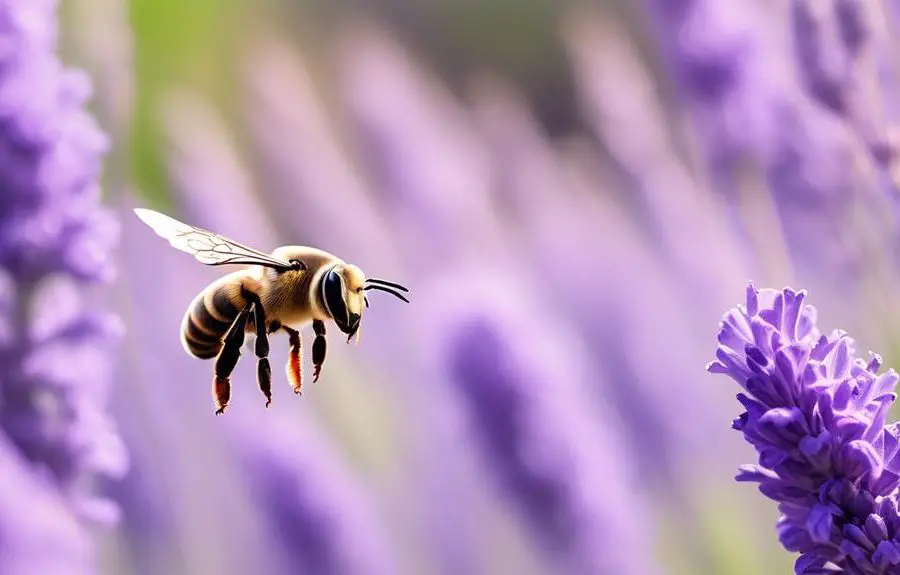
[{"x": 575, "y": 193}]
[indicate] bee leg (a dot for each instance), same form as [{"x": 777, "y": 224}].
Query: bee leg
[
  {"x": 227, "y": 359},
  {"x": 263, "y": 369},
  {"x": 295, "y": 360},
  {"x": 318, "y": 350}
]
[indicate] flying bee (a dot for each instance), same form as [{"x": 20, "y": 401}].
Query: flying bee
[{"x": 279, "y": 291}]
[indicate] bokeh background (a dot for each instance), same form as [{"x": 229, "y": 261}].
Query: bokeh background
[{"x": 573, "y": 191}]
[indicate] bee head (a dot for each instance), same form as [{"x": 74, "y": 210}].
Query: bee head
[
  {"x": 343, "y": 292},
  {"x": 344, "y": 288}
]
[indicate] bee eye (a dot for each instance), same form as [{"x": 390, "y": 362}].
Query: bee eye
[{"x": 332, "y": 294}]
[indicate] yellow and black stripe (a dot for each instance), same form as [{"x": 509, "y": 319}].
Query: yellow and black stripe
[{"x": 209, "y": 316}]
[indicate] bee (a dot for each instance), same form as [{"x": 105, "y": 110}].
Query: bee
[{"x": 280, "y": 291}]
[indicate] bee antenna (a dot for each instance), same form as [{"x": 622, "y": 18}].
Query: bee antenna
[
  {"x": 387, "y": 283},
  {"x": 386, "y": 290}
]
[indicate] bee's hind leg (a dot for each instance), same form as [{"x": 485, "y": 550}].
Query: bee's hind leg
[
  {"x": 227, "y": 359},
  {"x": 263, "y": 368},
  {"x": 295, "y": 360},
  {"x": 319, "y": 347}
]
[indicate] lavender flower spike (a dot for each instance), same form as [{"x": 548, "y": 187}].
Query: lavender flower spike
[
  {"x": 816, "y": 415},
  {"x": 54, "y": 241},
  {"x": 557, "y": 455}
]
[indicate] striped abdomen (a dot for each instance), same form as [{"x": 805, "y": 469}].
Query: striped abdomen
[{"x": 210, "y": 315}]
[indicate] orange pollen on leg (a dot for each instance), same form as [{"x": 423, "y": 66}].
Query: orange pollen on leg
[
  {"x": 294, "y": 368},
  {"x": 221, "y": 392}
]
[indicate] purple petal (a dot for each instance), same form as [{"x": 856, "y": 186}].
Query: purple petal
[
  {"x": 819, "y": 523},
  {"x": 886, "y": 554},
  {"x": 876, "y": 528},
  {"x": 755, "y": 473}
]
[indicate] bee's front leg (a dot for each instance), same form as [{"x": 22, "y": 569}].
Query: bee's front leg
[
  {"x": 263, "y": 368},
  {"x": 228, "y": 358},
  {"x": 319, "y": 347}
]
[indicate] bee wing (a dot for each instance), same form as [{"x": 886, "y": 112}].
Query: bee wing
[{"x": 207, "y": 247}]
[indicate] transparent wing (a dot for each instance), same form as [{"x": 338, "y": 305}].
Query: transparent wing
[{"x": 207, "y": 247}]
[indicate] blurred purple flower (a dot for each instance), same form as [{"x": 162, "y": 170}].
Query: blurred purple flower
[
  {"x": 55, "y": 240},
  {"x": 307, "y": 177},
  {"x": 322, "y": 520},
  {"x": 744, "y": 75},
  {"x": 421, "y": 147},
  {"x": 809, "y": 170},
  {"x": 38, "y": 533},
  {"x": 554, "y": 235},
  {"x": 824, "y": 63},
  {"x": 208, "y": 177},
  {"x": 837, "y": 46},
  {"x": 554, "y": 450},
  {"x": 721, "y": 58},
  {"x": 101, "y": 39},
  {"x": 676, "y": 210},
  {"x": 816, "y": 415}
]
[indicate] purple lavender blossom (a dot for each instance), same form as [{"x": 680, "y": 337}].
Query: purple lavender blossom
[
  {"x": 524, "y": 385},
  {"x": 816, "y": 415},
  {"x": 38, "y": 533},
  {"x": 307, "y": 177},
  {"x": 101, "y": 39},
  {"x": 206, "y": 171},
  {"x": 834, "y": 45},
  {"x": 823, "y": 60},
  {"x": 530, "y": 171},
  {"x": 55, "y": 240},
  {"x": 623, "y": 107},
  {"x": 759, "y": 94},
  {"x": 723, "y": 64},
  {"x": 837, "y": 47},
  {"x": 318, "y": 515},
  {"x": 818, "y": 170},
  {"x": 424, "y": 153}
]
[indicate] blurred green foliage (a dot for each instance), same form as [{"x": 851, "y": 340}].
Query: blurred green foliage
[
  {"x": 518, "y": 39},
  {"x": 199, "y": 44},
  {"x": 189, "y": 43}
]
